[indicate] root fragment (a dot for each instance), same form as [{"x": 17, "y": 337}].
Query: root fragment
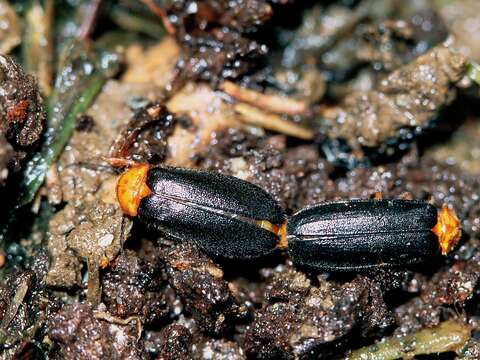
[
  {"x": 273, "y": 103},
  {"x": 255, "y": 116}
]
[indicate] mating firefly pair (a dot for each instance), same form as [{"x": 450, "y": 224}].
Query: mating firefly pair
[{"x": 230, "y": 218}]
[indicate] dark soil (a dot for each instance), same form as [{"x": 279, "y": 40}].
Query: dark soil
[{"x": 392, "y": 108}]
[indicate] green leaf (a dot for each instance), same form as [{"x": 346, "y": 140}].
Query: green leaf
[{"x": 473, "y": 72}]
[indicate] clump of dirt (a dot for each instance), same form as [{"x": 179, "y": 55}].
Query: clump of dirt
[
  {"x": 93, "y": 234},
  {"x": 132, "y": 286},
  {"x": 406, "y": 101},
  {"x": 216, "y": 36},
  {"x": 22, "y": 117},
  {"x": 78, "y": 330},
  {"x": 313, "y": 316},
  {"x": 200, "y": 285},
  {"x": 25, "y": 306}
]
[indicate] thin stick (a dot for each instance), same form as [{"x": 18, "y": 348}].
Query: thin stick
[
  {"x": 101, "y": 315},
  {"x": 94, "y": 291},
  {"x": 88, "y": 24},
  {"x": 160, "y": 12},
  {"x": 273, "y": 103},
  {"x": 119, "y": 162},
  {"x": 13, "y": 309},
  {"x": 255, "y": 116}
]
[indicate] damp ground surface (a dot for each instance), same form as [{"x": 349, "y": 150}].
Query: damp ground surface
[{"x": 311, "y": 101}]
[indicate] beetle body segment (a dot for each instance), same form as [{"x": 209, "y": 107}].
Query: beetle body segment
[
  {"x": 447, "y": 229},
  {"x": 132, "y": 188},
  {"x": 361, "y": 234},
  {"x": 219, "y": 213}
]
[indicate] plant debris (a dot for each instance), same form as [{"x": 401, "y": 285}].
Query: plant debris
[
  {"x": 311, "y": 101},
  {"x": 11, "y": 33},
  {"x": 22, "y": 114},
  {"x": 450, "y": 335},
  {"x": 404, "y": 103}
]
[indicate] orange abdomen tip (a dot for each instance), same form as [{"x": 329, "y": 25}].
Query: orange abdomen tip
[
  {"x": 132, "y": 188},
  {"x": 447, "y": 229}
]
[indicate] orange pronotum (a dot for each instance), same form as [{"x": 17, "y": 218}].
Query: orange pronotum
[{"x": 132, "y": 188}]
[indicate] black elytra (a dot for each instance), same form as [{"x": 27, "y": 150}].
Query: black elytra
[
  {"x": 362, "y": 234},
  {"x": 216, "y": 212},
  {"x": 221, "y": 215}
]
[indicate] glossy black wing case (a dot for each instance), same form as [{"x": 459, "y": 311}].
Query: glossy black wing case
[
  {"x": 216, "y": 212},
  {"x": 361, "y": 234}
]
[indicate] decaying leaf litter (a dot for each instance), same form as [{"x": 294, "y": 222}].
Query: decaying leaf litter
[{"x": 311, "y": 102}]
